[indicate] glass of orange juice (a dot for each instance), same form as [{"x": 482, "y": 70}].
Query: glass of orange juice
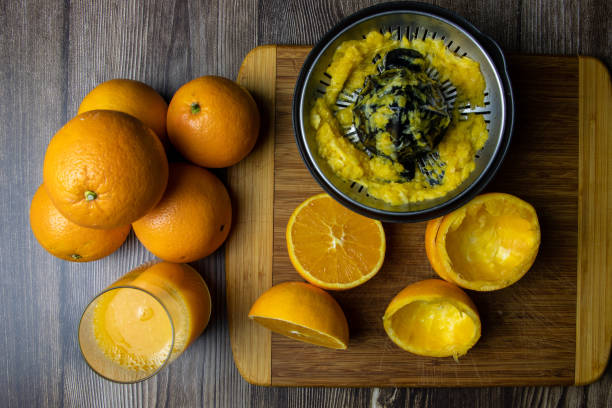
[{"x": 144, "y": 321}]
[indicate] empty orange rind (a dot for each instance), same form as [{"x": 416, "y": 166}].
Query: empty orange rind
[
  {"x": 487, "y": 244},
  {"x": 433, "y": 318}
]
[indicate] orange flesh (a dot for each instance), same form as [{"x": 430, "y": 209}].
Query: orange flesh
[
  {"x": 133, "y": 329},
  {"x": 335, "y": 245},
  {"x": 298, "y": 332},
  {"x": 491, "y": 241},
  {"x": 303, "y": 312},
  {"x": 434, "y": 327}
]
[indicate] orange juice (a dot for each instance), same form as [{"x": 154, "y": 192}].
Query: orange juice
[
  {"x": 145, "y": 319},
  {"x": 133, "y": 329}
]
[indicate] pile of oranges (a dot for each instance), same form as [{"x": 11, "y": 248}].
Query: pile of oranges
[{"x": 106, "y": 170}]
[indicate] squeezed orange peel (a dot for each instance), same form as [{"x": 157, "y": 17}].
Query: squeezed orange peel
[
  {"x": 433, "y": 318},
  {"x": 487, "y": 244}
]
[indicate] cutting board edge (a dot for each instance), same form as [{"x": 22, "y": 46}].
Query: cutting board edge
[
  {"x": 251, "y": 261},
  {"x": 594, "y": 277},
  {"x": 420, "y": 384}
]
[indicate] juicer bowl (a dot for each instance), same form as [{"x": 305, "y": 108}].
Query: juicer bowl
[{"x": 413, "y": 20}]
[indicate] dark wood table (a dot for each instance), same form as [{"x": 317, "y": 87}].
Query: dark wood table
[{"x": 52, "y": 53}]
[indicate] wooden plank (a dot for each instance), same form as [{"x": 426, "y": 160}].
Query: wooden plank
[
  {"x": 32, "y": 333},
  {"x": 594, "y": 306},
  {"x": 249, "y": 248}
]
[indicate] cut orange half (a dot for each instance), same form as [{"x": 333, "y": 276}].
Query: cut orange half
[
  {"x": 432, "y": 318},
  {"x": 487, "y": 244},
  {"x": 333, "y": 247},
  {"x": 302, "y": 312}
]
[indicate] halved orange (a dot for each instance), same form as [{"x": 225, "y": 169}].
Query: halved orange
[
  {"x": 303, "y": 312},
  {"x": 432, "y": 318},
  {"x": 333, "y": 247},
  {"x": 488, "y": 244}
]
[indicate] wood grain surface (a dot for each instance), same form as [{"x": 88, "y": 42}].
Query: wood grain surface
[
  {"x": 595, "y": 246},
  {"x": 249, "y": 250},
  {"x": 53, "y": 52},
  {"x": 529, "y": 329}
]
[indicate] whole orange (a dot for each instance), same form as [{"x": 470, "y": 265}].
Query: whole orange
[
  {"x": 213, "y": 122},
  {"x": 132, "y": 97},
  {"x": 192, "y": 219},
  {"x": 105, "y": 169},
  {"x": 66, "y": 240}
]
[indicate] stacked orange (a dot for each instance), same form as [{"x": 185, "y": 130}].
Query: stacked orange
[
  {"x": 212, "y": 122},
  {"x": 67, "y": 240}
]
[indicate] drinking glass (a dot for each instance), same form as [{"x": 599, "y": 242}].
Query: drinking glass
[{"x": 143, "y": 321}]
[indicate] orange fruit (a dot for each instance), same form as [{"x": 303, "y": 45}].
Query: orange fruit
[
  {"x": 105, "y": 169},
  {"x": 302, "y": 312},
  {"x": 192, "y": 219},
  {"x": 132, "y": 97},
  {"x": 432, "y": 318},
  {"x": 488, "y": 244},
  {"x": 213, "y": 121},
  {"x": 67, "y": 240},
  {"x": 333, "y": 247}
]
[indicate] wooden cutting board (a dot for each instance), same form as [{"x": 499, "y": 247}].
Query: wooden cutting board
[{"x": 552, "y": 327}]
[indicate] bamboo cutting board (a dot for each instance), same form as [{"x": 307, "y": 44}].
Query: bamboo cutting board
[{"x": 552, "y": 327}]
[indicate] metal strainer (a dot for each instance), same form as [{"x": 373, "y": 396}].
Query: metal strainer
[{"x": 413, "y": 20}]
